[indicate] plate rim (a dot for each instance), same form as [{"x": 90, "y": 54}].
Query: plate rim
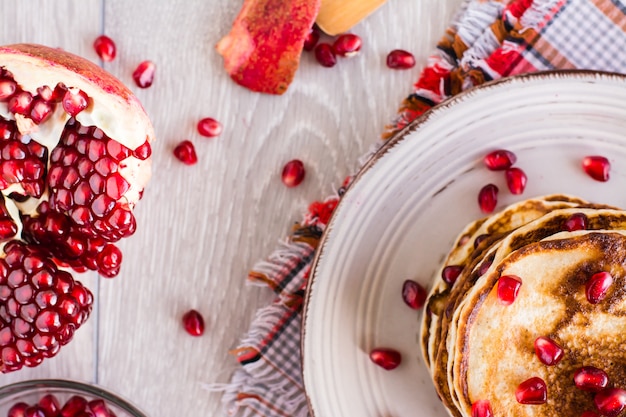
[{"x": 585, "y": 75}]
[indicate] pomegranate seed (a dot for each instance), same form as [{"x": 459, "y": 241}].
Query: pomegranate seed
[
  {"x": 34, "y": 411},
  {"x": 386, "y": 358},
  {"x": 193, "y": 322},
  {"x": 450, "y": 273},
  {"x": 499, "y": 160},
  {"x": 597, "y": 287},
  {"x": 74, "y": 101},
  {"x": 400, "y": 59},
  {"x": 597, "y": 167},
  {"x": 610, "y": 401},
  {"x": 73, "y": 406},
  {"x": 479, "y": 239},
  {"x": 325, "y": 55},
  {"x": 413, "y": 294},
  {"x": 508, "y": 288},
  {"x": 482, "y": 408},
  {"x": 209, "y": 127},
  {"x": 488, "y": 198},
  {"x": 312, "y": 38},
  {"x": 548, "y": 351},
  {"x": 293, "y": 173},
  {"x": 144, "y": 74},
  {"x": 516, "y": 180},
  {"x": 186, "y": 153},
  {"x": 17, "y": 410},
  {"x": 347, "y": 45},
  {"x": 590, "y": 378},
  {"x": 577, "y": 221},
  {"x": 105, "y": 48},
  {"x": 19, "y": 103},
  {"x": 40, "y": 111},
  {"x": 532, "y": 391},
  {"x": 7, "y": 88}
]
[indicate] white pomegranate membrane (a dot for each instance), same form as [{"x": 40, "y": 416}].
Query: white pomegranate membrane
[{"x": 74, "y": 161}]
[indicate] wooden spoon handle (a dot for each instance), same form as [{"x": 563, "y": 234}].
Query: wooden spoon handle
[{"x": 338, "y": 16}]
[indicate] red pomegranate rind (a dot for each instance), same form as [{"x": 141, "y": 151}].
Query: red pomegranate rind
[{"x": 262, "y": 51}]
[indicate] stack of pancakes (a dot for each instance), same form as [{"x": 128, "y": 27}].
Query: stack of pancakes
[{"x": 477, "y": 348}]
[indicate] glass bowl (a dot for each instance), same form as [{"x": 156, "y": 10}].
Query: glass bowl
[{"x": 31, "y": 392}]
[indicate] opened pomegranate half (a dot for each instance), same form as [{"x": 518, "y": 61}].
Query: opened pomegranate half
[{"x": 74, "y": 160}]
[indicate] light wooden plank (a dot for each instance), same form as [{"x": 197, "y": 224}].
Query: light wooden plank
[
  {"x": 71, "y": 25},
  {"x": 201, "y": 228}
]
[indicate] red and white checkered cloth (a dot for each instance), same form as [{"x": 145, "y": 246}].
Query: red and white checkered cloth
[{"x": 487, "y": 39}]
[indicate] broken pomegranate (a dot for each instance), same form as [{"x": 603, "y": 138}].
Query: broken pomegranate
[
  {"x": 590, "y": 378},
  {"x": 488, "y": 198},
  {"x": 262, "y": 51},
  {"x": 386, "y": 358},
  {"x": 482, "y": 408},
  {"x": 144, "y": 74},
  {"x": 185, "y": 152},
  {"x": 74, "y": 160},
  {"x": 347, "y": 45},
  {"x": 193, "y": 322},
  {"x": 450, "y": 273},
  {"x": 577, "y": 221},
  {"x": 548, "y": 351},
  {"x": 597, "y": 287},
  {"x": 508, "y": 288},
  {"x": 105, "y": 48},
  {"x": 413, "y": 294},
  {"x": 532, "y": 391},
  {"x": 209, "y": 127},
  {"x": 325, "y": 55},
  {"x": 515, "y": 180},
  {"x": 293, "y": 173},
  {"x": 610, "y": 401},
  {"x": 597, "y": 167},
  {"x": 499, "y": 160},
  {"x": 400, "y": 59}
]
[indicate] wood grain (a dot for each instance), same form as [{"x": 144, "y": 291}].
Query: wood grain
[{"x": 201, "y": 228}]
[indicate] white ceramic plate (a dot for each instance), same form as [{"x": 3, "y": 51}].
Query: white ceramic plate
[{"x": 408, "y": 204}]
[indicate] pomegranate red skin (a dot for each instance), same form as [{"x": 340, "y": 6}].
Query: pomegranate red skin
[
  {"x": 532, "y": 391},
  {"x": 262, "y": 51},
  {"x": 610, "y": 401},
  {"x": 386, "y": 358}
]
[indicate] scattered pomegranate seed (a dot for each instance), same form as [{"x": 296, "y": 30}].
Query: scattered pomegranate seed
[
  {"x": 209, "y": 127},
  {"x": 597, "y": 287},
  {"x": 590, "y": 378},
  {"x": 193, "y": 323},
  {"x": 325, "y": 55},
  {"x": 74, "y": 101},
  {"x": 413, "y": 294},
  {"x": 516, "y": 180},
  {"x": 499, "y": 160},
  {"x": 508, "y": 288},
  {"x": 105, "y": 48},
  {"x": 312, "y": 39},
  {"x": 293, "y": 173},
  {"x": 186, "y": 153},
  {"x": 488, "y": 198},
  {"x": 597, "y": 167},
  {"x": 610, "y": 401},
  {"x": 577, "y": 221},
  {"x": 144, "y": 74},
  {"x": 532, "y": 391},
  {"x": 482, "y": 408},
  {"x": 479, "y": 239},
  {"x": 386, "y": 358},
  {"x": 548, "y": 351},
  {"x": 450, "y": 273},
  {"x": 347, "y": 45},
  {"x": 400, "y": 59}
]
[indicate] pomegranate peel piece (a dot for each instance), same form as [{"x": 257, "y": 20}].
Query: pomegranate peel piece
[{"x": 262, "y": 51}]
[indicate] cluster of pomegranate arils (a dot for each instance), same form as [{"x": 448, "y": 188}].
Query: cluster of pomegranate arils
[
  {"x": 347, "y": 45},
  {"x": 50, "y": 406},
  {"x": 597, "y": 167}
]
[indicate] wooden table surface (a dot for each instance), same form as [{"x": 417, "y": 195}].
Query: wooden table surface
[{"x": 201, "y": 228}]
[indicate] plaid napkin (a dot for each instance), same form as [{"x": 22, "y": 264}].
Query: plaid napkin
[{"x": 487, "y": 40}]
